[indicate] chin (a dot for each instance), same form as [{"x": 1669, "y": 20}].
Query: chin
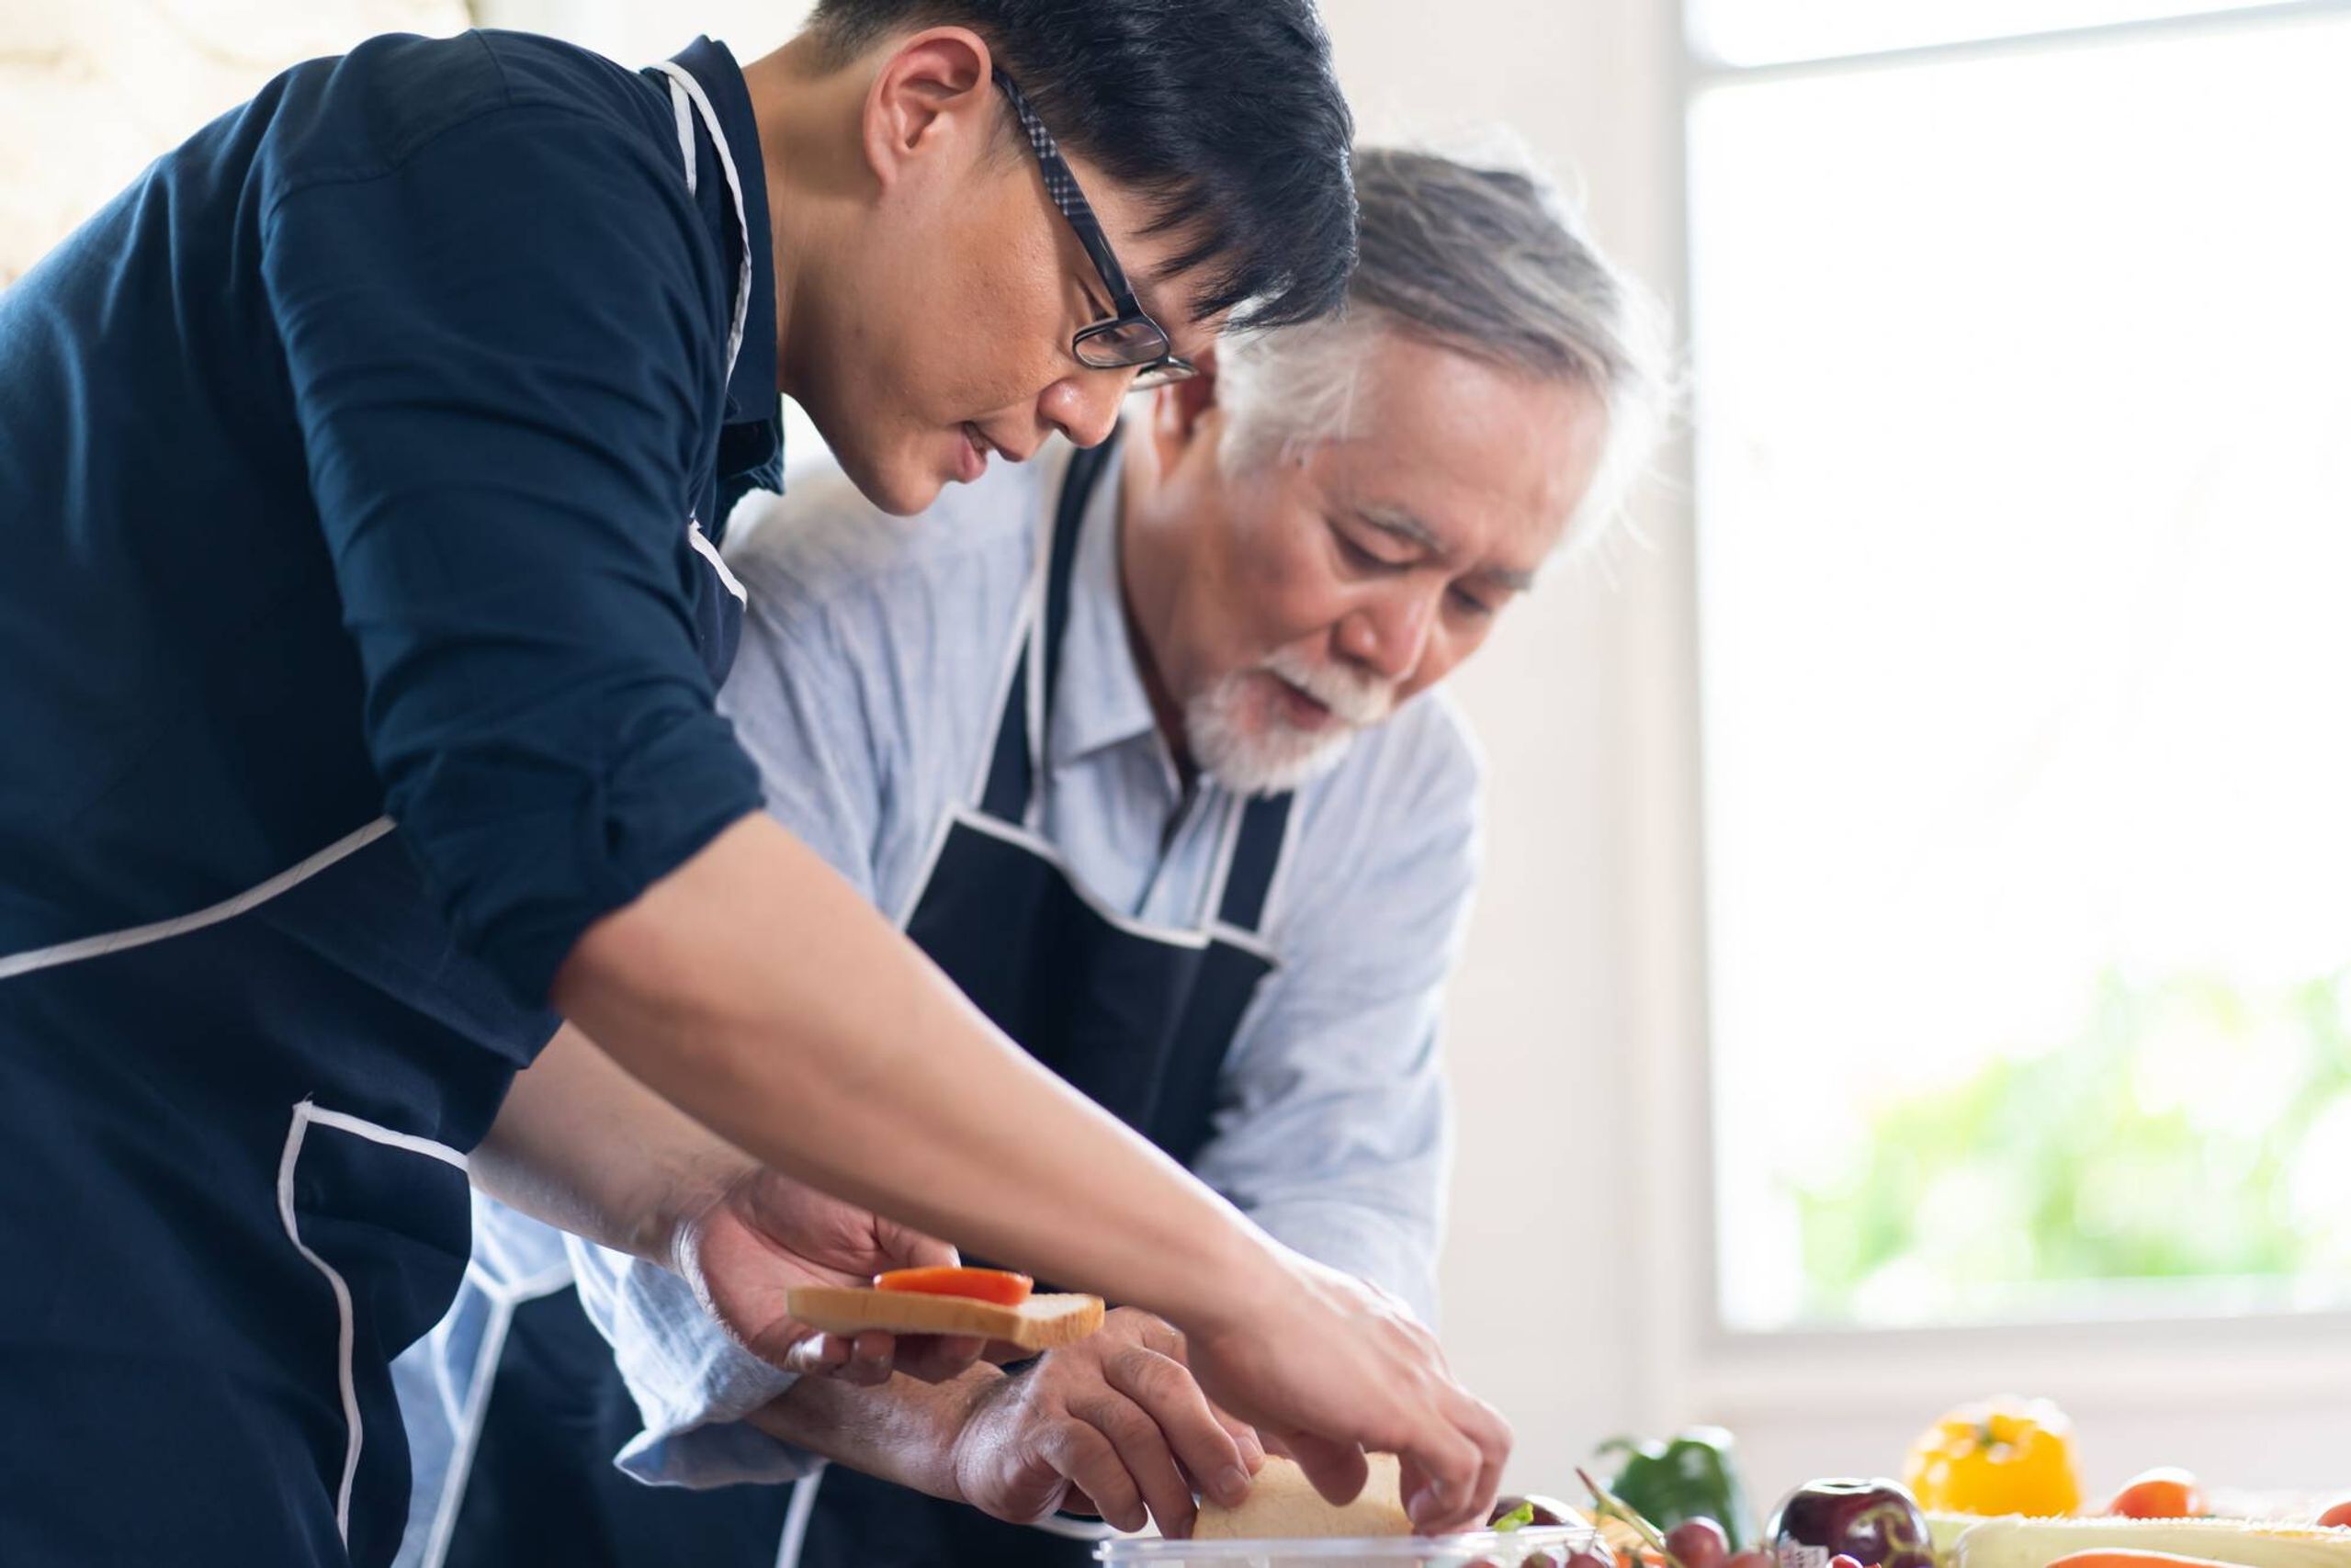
[
  {"x": 1244, "y": 747},
  {"x": 900, "y": 489}
]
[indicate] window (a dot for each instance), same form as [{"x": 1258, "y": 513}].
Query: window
[{"x": 2023, "y": 382}]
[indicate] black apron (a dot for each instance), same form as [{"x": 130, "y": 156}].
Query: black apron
[{"x": 1137, "y": 1017}]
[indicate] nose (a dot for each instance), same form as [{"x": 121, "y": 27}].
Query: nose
[
  {"x": 1084, "y": 406},
  {"x": 1389, "y": 634}
]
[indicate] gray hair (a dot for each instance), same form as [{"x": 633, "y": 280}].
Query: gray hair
[{"x": 1485, "y": 262}]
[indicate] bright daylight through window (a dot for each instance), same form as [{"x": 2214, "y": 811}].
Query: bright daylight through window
[{"x": 2024, "y": 504}]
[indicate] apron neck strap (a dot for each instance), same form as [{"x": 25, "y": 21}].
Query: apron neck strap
[
  {"x": 687, "y": 100},
  {"x": 1257, "y": 855},
  {"x": 1012, "y": 766}
]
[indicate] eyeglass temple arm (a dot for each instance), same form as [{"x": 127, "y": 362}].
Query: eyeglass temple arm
[{"x": 1062, "y": 187}]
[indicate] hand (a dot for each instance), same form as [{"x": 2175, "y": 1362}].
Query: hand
[
  {"x": 1329, "y": 1367},
  {"x": 1114, "y": 1426},
  {"x": 765, "y": 1233}
]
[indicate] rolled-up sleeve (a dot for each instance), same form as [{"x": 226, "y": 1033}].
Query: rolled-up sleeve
[
  {"x": 1334, "y": 1127},
  {"x": 498, "y": 351},
  {"x": 800, "y": 698}
]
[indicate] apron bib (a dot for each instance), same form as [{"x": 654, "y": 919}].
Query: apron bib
[{"x": 1138, "y": 1016}]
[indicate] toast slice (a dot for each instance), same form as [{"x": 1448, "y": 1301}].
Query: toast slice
[
  {"x": 1041, "y": 1323},
  {"x": 1283, "y": 1504}
]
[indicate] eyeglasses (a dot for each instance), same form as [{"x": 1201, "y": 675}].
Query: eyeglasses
[{"x": 1130, "y": 338}]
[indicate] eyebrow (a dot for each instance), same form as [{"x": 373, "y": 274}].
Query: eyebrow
[{"x": 1399, "y": 524}]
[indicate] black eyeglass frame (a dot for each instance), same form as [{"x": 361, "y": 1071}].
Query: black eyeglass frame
[{"x": 1100, "y": 347}]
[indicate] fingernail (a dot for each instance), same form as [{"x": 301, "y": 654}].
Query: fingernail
[{"x": 1232, "y": 1485}]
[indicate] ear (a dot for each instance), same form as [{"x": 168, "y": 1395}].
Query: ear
[
  {"x": 1184, "y": 413},
  {"x": 935, "y": 94}
]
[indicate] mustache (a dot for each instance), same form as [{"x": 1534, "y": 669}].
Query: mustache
[{"x": 1356, "y": 698}]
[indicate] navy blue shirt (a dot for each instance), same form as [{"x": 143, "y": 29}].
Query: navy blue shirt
[{"x": 346, "y": 463}]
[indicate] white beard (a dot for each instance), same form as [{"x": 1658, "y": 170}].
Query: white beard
[{"x": 1238, "y": 734}]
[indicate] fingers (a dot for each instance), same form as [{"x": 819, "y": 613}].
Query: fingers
[
  {"x": 1337, "y": 1470},
  {"x": 1441, "y": 1501},
  {"x": 1493, "y": 1436},
  {"x": 1143, "y": 1452},
  {"x": 1188, "y": 1427},
  {"x": 1078, "y": 1451},
  {"x": 904, "y": 1247},
  {"x": 937, "y": 1358},
  {"x": 863, "y": 1361},
  {"x": 1453, "y": 1467},
  {"x": 1245, "y": 1438}
]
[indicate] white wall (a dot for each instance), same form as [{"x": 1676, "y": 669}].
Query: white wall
[{"x": 1552, "y": 1305}]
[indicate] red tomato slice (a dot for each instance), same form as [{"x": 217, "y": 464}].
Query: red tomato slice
[{"x": 979, "y": 1285}]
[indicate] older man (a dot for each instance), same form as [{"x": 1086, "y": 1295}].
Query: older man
[{"x": 1126, "y": 739}]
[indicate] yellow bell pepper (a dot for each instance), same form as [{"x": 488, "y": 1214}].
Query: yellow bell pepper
[{"x": 2003, "y": 1455}]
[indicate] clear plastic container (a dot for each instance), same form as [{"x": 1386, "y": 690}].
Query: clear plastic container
[{"x": 1536, "y": 1546}]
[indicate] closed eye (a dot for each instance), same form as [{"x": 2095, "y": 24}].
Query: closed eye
[
  {"x": 1360, "y": 556},
  {"x": 1470, "y": 603}
]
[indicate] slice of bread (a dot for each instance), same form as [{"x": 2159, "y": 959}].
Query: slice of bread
[
  {"x": 1041, "y": 1323},
  {"x": 1283, "y": 1504}
]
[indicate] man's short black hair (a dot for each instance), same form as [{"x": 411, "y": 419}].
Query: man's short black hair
[{"x": 1225, "y": 113}]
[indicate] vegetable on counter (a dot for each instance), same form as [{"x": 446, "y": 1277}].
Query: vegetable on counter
[
  {"x": 1698, "y": 1543},
  {"x": 1694, "y": 1475},
  {"x": 2037, "y": 1544},
  {"x": 2161, "y": 1493},
  {"x": 1537, "y": 1508},
  {"x": 2003, "y": 1455},
  {"x": 1876, "y": 1523},
  {"x": 2132, "y": 1559}
]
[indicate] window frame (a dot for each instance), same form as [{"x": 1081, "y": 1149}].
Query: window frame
[{"x": 1691, "y": 1359}]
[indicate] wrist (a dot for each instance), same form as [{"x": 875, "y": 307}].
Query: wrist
[
  {"x": 1244, "y": 1270},
  {"x": 965, "y": 1433},
  {"x": 669, "y": 1231}
]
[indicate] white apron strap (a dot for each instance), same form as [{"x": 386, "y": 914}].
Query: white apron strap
[{"x": 688, "y": 97}]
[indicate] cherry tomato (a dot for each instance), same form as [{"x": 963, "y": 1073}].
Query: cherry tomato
[
  {"x": 1698, "y": 1543},
  {"x": 979, "y": 1285},
  {"x": 2338, "y": 1514},
  {"x": 2166, "y": 1493}
]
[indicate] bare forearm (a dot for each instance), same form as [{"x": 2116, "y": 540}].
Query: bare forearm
[
  {"x": 754, "y": 989},
  {"x": 584, "y": 1147},
  {"x": 902, "y": 1431}
]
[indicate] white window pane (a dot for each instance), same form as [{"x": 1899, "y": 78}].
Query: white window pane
[
  {"x": 1763, "y": 32},
  {"x": 2024, "y": 386}
]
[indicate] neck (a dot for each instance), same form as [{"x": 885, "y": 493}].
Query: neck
[
  {"x": 808, "y": 121},
  {"x": 1147, "y": 573}
]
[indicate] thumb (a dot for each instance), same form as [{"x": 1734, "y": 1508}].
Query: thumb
[{"x": 906, "y": 1247}]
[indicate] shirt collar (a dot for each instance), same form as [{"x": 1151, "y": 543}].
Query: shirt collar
[
  {"x": 751, "y": 392},
  {"x": 1101, "y": 702}
]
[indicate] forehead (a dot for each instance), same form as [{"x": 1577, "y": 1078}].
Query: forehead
[{"x": 1494, "y": 460}]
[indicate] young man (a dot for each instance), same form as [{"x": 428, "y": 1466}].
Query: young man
[
  {"x": 1128, "y": 740},
  {"x": 360, "y": 469}
]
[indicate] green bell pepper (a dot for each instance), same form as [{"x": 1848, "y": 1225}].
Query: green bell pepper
[{"x": 1693, "y": 1476}]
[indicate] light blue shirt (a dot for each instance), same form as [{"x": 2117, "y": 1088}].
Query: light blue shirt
[{"x": 867, "y": 689}]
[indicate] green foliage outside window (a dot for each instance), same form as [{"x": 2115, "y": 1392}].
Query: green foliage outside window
[{"x": 2193, "y": 1130}]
